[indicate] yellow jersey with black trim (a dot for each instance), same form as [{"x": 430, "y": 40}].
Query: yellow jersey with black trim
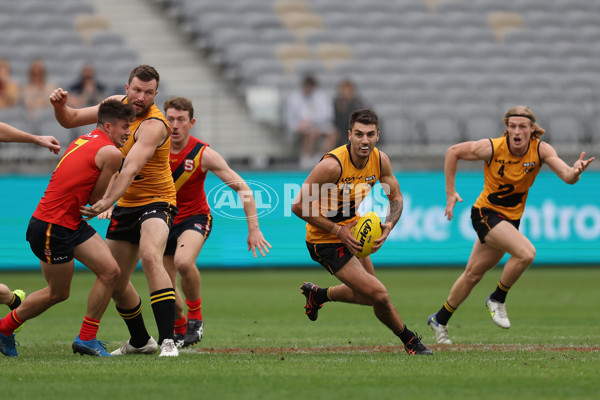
[
  {"x": 154, "y": 182},
  {"x": 339, "y": 201},
  {"x": 507, "y": 178}
]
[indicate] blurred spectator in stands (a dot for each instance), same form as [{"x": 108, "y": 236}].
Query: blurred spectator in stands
[
  {"x": 309, "y": 113},
  {"x": 346, "y": 101},
  {"x": 87, "y": 91},
  {"x": 37, "y": 90},
  {"x": 10, "y": 92}
]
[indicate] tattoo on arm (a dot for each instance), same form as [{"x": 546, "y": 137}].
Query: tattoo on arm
[{"x": 394, "y": 212}]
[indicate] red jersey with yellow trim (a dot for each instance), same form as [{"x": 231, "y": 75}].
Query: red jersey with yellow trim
[
  {"x": 189, "y": 180},
  {"x": 72, "y": 181},
  {"x": 507, "y": 178},
  {"x": 153, "y": 183},
  {"x": 340, "y": 202}
]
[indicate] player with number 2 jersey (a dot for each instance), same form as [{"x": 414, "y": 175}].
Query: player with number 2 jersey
[{"x": 512, "y": 163}]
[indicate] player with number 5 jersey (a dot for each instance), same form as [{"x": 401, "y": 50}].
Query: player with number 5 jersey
[
  {"x": 511, "y": 164},
  {"x": 57, "y": 233},
  {"x": 190, "y": 161}
]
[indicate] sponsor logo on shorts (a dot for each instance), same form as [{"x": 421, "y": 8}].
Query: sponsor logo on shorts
[{"x": 201, "y": 228}]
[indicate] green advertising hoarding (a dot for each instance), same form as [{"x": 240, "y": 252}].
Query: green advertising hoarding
[{"x": 561, "y": 220}]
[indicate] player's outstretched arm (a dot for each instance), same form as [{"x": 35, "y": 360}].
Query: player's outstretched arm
[
  {"x": 9, "y": 133},
  {"x": 213, "y": 161},
  {"x": 69, "y": 117},
  {"x": 568, "y": 174}
]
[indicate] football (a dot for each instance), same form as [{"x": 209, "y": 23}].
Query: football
[{"x": 366, "y": 231}]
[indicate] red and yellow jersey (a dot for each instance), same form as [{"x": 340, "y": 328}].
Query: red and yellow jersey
[
  {"x": 507, "y": 178},
  {"x": 72, "y": 181},
  {"x": 154, "y": 182},
  {"x": 339, "y": 203},
  {"x": 189, "y": 180}
]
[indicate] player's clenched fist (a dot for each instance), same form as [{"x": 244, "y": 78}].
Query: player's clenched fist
[{"x": 58, "y": 97}]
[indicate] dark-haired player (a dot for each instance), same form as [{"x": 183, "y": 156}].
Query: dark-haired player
[
  {"x": 58, "y": 235},
  {"x": 146, "y": 206},
  {"x": 328, "y": 201}
]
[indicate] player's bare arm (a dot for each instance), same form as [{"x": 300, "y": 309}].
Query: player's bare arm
[
  {"x": 470, "y": 151},
  {"x": 568, "y": 174},
  {"x": 11, "y": 134},
  {"x": 69, "y": 117},
  {"x": 392, "y": 188},
  {"x": 148, "y": 137},
  {"x": 324, "y": 173},
  {"x": 214, "y": 162},
  {"x": 108, "y": 213},
  {"x": 108, "y": 160}
]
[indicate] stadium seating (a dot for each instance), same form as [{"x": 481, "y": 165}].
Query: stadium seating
[
  {"x": 65, "y": 34},
  {"x": 482, "y": 50}
]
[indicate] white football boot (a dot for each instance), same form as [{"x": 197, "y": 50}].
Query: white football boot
[
  {"x": 149, "y": 348},
  {"x": 441, "y": 331},
  {"x": 498, "y": 313},
  {"x": 168, "y": 349}
]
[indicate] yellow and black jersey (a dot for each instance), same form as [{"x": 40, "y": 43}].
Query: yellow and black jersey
[
  {"x": 154, "y": 182},
  {"x": 507, "y": 178},
  {"x": 339, "y": 202}
]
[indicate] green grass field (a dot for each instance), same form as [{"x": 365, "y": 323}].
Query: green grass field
[{"x": 259, "y": 345}]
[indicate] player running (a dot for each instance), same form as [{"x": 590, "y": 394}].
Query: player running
[
  {"x": 512, "y": 162},
  {"x": 348, "y": 173}
]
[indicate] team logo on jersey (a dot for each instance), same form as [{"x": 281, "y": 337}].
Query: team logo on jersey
[
  {"x": 527, "y": 165},
  {"x": 189, "y": 164}
]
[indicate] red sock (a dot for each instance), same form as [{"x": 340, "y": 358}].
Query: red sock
[
  {"x": 180, "y": 325},
  {"x": 89, "y": 328},
  {"x": 194, "y": 309},
  {"x": 10, "y": 323}
]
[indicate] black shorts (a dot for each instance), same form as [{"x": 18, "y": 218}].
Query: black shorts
[
  {"x": 126, "y": 222},
  {"x": 53, "y": 244},
  {"x": 332, "y": 256},
  {"x": 201, "y": 223},
  {"x": 484, "y": 219}
]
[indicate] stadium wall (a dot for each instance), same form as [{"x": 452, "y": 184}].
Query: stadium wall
[{"x": 562, "y": 221}]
